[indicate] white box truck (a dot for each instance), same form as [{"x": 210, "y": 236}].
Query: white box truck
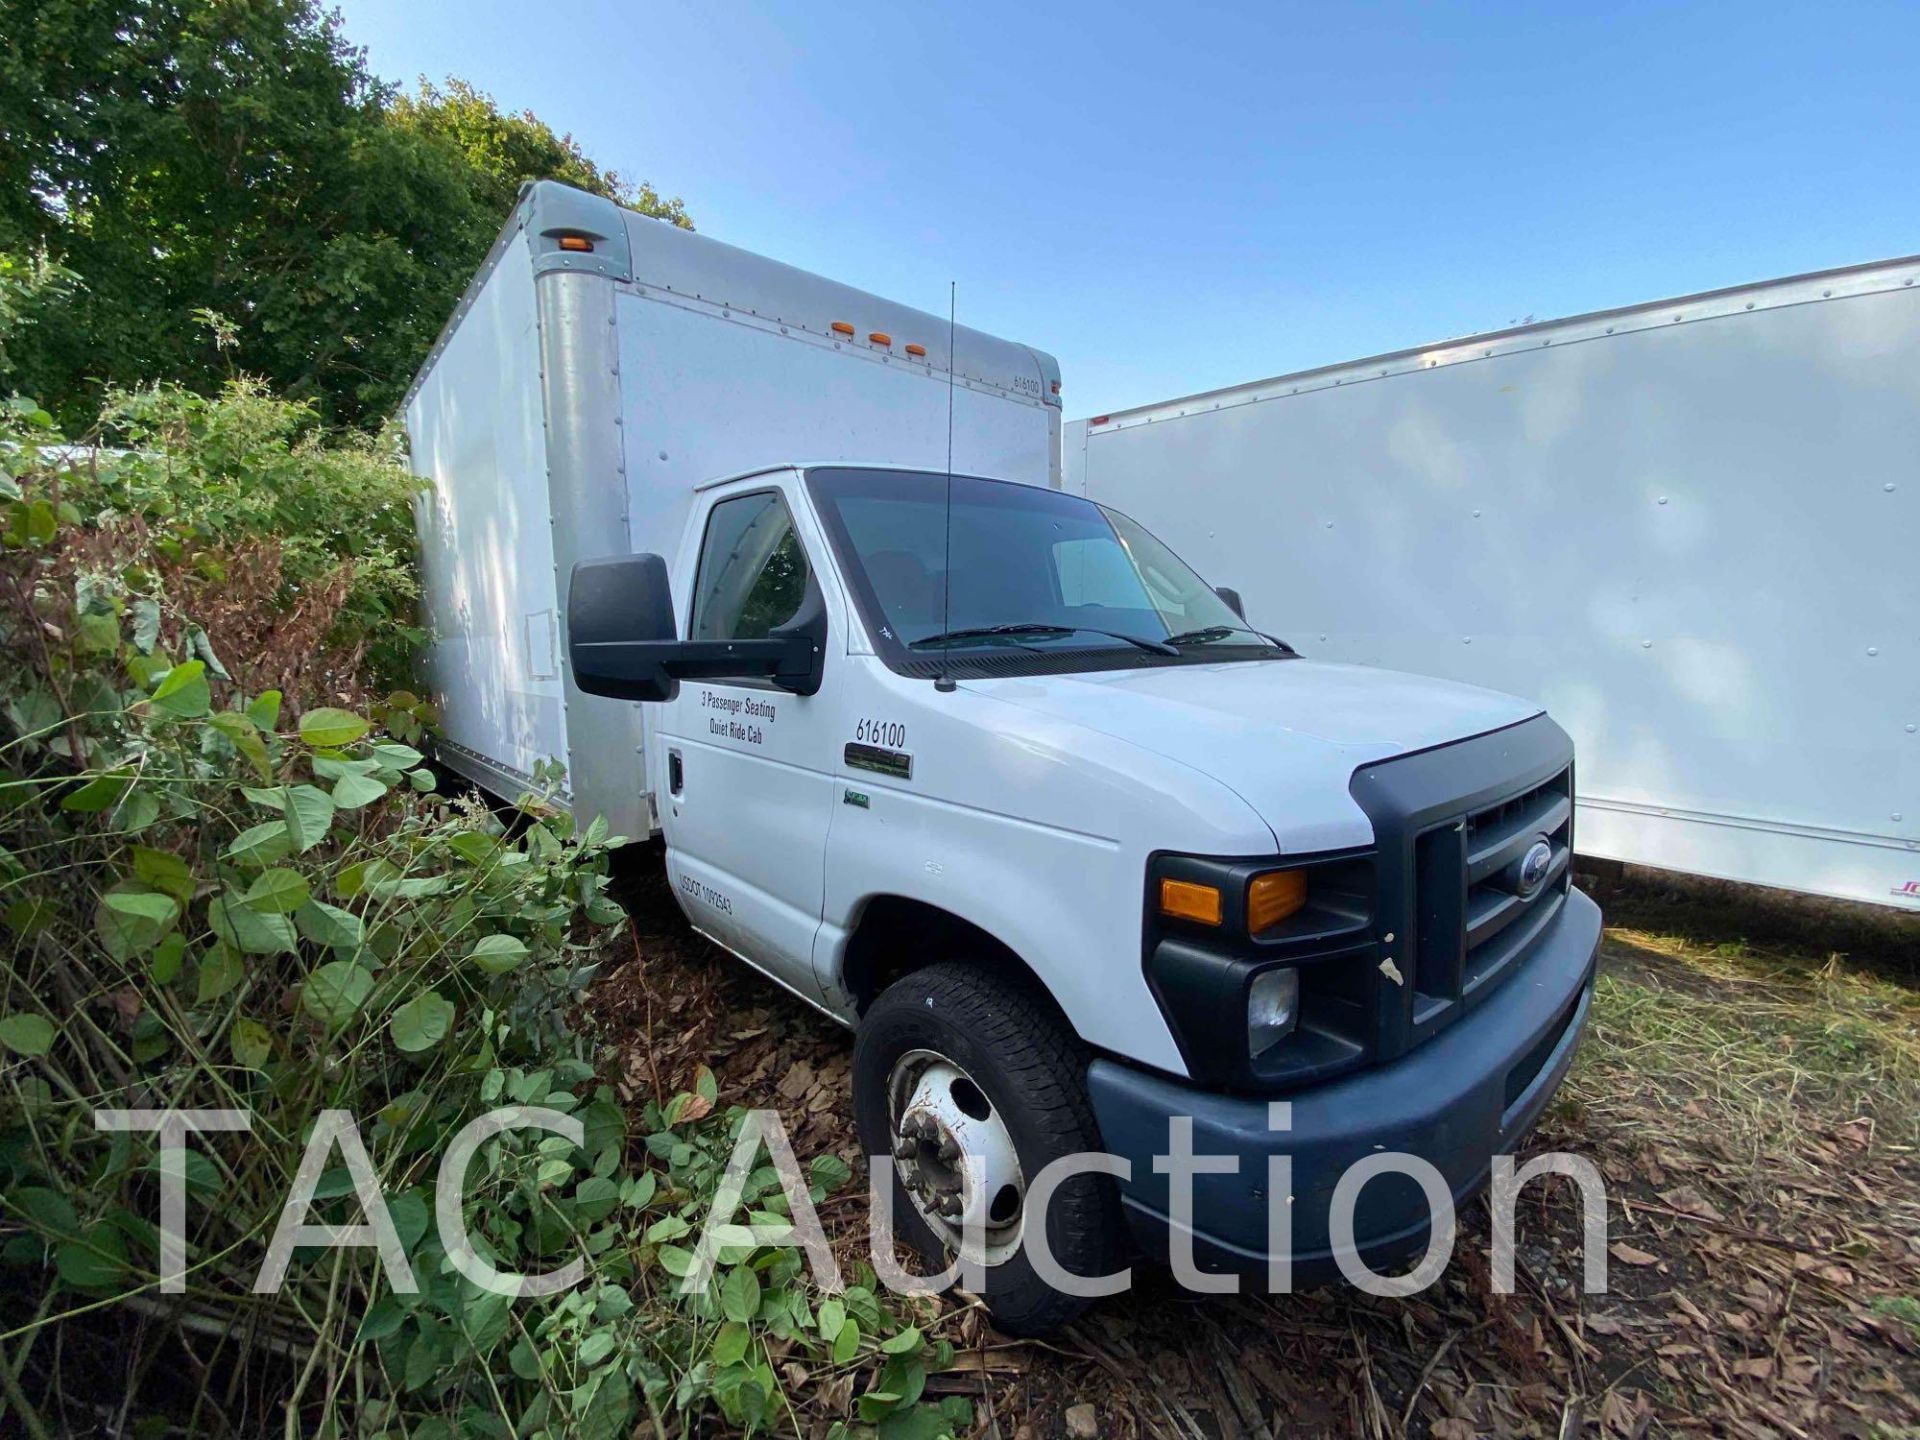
[
  {"x": 981, "y": 768},
  {"x": 1691, "y": 529}
]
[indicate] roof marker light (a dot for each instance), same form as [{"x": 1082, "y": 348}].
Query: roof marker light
[
  {"x": 575, "y": 242},
  {"x": 880, "y": 337},
  {"x": 919, "y": 351},
  {"x": 840, "y": 327}
]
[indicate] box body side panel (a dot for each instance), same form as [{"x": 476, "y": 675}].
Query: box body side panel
[
  {"x": 477, "y": 434},
  {"x": 704, "y": 396},
  {"x": 1693, "y": 543}
]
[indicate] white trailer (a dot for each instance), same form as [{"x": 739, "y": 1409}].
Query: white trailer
[
  {"x": 600, "y": 367},
  {"x": 1690, "y": 529}
]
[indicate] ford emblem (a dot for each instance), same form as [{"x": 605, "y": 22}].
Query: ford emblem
[{"x": 1532, "y": 873}]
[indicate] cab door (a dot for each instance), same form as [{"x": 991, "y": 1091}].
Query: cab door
[{"x": 744, "y": 769}]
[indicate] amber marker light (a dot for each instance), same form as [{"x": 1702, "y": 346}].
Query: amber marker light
[
  {"x": 575, "y": 242},
  {"x": 1274, "y": 896},
  {"x": 1186, "y": 900}
]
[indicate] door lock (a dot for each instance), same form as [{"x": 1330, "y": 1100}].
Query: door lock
[{"x": 676, "y": 776}]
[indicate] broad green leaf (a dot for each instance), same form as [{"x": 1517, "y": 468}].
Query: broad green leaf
[
  {"x": 876, "y": 1405},
  {"x": 183, "y": 690},
  {"x": 730, "y": 1345},
  {"x": 497, "y": 954},
  {"x": 102, "y": 792},
  {"x": 245, "y": 739},
  {"x": 421, "y": 781},
  {"x": 263, "y": 844},
  {"x": 396, "y": 756},
  {"x": 485, "y": 1320},
  {"x": 220, "y": 970},
  {"x": 904, "y": 1343},
  {"x": 27, "y": 918},
  {"x": 358, "y": 877},
  {"x": 594, "y": 1199},
  {"x": 473, "y": 846},
  {"x": 350, "y": 792},
  {"x": 740, "y": 1294},
  {"x": 332, "y": 767},
  {"x": 167, "y": 955},
  {"x": 277, "y": 892},
  {"x": 139, "y": 810},
  {"x": 329, "y": 729},
  {"x": 251, "y": 1042},
  {"x": 829, "y": 1172},
  {"x": 410, "y": 1218},
  {"x": 676, "y": 1260},
  {"x": 27, "y": 1034},
  {"x": 264, "y": 709},
  {"x": 383, "y": 1318},
  {"x": 667, "y": 1227},
  {"x": 47, "y": 1211},
  {"x": 596, "y": 1347},
  {"x": 96, "y": 1261},
  {"x": 98, "y": 634},
  {"x": 329, "y": 925},
  {"x": 846, "y": 1342},
  {"x": 422, "y": 1022},
  {"x": 309, "y": 811},
  {"x": 249, "y": 930},
  {"x": 132, "y": 922},
  {"x": 335, "y": 991},
  {"x": 162, "y": 870},
  {"x": 146, "y": 625},
  {"x": 832, "y": 1316}
]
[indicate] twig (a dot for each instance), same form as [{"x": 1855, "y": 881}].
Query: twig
[{"x": 1420, "y": 1386}]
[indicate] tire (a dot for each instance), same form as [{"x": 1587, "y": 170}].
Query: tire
[{"x": 1031, "y": 1070}]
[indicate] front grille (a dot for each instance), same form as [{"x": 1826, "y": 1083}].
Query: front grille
[
  {"x": 1453, "y": 825},
  {"x": 1473, "y": 921}
]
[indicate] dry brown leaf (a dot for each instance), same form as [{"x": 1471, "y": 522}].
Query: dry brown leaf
[{"x": 1630, "y": 1255}]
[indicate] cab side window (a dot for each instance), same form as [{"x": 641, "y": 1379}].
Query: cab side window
[{"x": 753, "y": 573}]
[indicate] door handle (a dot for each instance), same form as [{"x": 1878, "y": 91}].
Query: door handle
[{"x": 676, "y": 774}]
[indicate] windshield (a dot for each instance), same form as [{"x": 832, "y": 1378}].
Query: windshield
[{"x": 1032, "y": 570}]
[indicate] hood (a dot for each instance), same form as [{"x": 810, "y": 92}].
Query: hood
[{"x": 1284, "y": 735}]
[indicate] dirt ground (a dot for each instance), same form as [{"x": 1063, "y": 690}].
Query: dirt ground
[{"x": 1749, "y": 1086}]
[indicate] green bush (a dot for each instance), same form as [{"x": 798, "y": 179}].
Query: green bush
[{"x": 212, "y": 901}]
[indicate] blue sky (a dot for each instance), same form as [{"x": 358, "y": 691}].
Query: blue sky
[{"x": 1172, "y": 198}]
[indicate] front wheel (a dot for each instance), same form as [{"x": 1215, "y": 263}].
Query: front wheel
[{"x": 974, "y": 1085}]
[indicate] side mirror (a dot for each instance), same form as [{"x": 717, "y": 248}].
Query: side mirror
[
  {"x": 622, "y": 641},
  {"x": 1232, "y": 597}
]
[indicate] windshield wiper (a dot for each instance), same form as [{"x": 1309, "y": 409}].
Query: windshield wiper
[
  {"x": 1035, "y": 628},
  {"x": 1207, "y": 634}
]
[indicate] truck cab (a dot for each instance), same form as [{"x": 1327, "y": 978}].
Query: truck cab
[{"x": 985, "y": 771}]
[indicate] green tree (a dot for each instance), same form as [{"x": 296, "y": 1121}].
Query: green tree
[
  {"x": 236, "y": 156},
  {"x": 505, "y": 150}
]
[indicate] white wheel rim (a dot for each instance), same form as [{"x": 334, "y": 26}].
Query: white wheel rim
[{"x": 955, "y": 1156}]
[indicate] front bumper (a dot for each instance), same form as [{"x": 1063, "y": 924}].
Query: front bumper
[{"x": 1468, "y": 1094}]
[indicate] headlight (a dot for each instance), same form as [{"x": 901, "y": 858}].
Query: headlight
[{"x": 1273, "y": 1007}]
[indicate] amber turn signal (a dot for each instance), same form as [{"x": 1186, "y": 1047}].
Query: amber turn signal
[
  {"x": 1188, "y": 901},
  {"x": 575, "y": 242},
  {"x": 1274, "y": 896}
]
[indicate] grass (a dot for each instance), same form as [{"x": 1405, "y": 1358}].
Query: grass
[{"x": 1760, "y": 1041}]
